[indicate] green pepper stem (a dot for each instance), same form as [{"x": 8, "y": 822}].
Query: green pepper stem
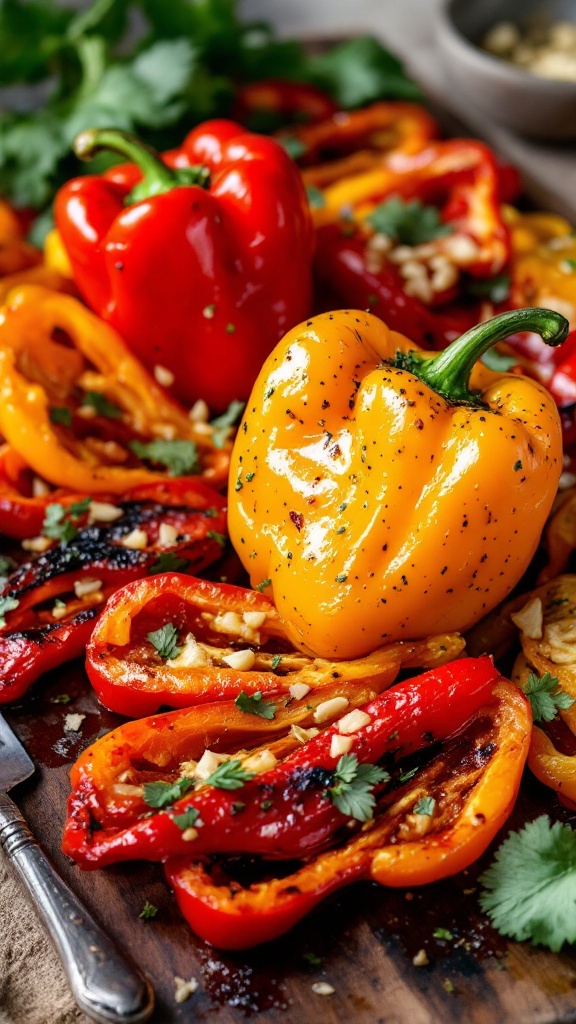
[
  {"x": 448, "y": 373},
  {"x": 156, "y": 176}
]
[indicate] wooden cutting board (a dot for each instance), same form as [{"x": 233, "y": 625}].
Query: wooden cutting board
[{"x": 362, "y": 942}]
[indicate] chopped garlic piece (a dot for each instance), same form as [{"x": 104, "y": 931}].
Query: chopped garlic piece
[
  {"x": 37, "y": 544},
  {"x": 199, "y": 413},
  {"x": 60, "y": 611},
  {"x": 330, "y": 708},
  {"x": 164, "y": 376},
  {"x": 189, "y": 769},
  {"x": 73, "y": 722},
  {"x": 125, "y": 789},
  {"x": 189, "y": 834},
  {"x": 104, "y": 512},
  {"x": 254, "y": 619},
  {"x": 561, "y": 638},
  {"x": 184, "y": 989},
  {"x": 340, "y": 745},
  {"x": 208, "y": 763},
  {"x": 298, "y": 690},
  {"x": 192, "y": 655},
  {"x": 353, "y": 722},
  {"x": 84, "y": 587},
  {"x": 136, "y": 539},
  {"x": 302, "y": 735},
  {"x": 421, "y": 959},
  {"x": 232, "y": 624},
  {"x": 322, "y": 988},
  {"x": 530, "y": 619},
  {"x": 243, "y": 661},
  {"x": 167, "y": 535},
  {"x": 39, "y": 487},
  {"x": 263, "y": 761}
]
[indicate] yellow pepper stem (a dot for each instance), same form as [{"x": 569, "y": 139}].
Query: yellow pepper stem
[{"x": 449, "y": 372}]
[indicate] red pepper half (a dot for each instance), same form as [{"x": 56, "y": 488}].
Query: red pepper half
[
  {"x": 201, "y": 267},
  {"x": 213, "y": 620},
  {"x": 470, "y": 787},
  {"x": 298, "y": 816},
  {"x": 48, "y": 620}
]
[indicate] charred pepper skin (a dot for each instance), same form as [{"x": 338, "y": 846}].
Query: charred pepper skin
[{"x": 374, "y": 505}]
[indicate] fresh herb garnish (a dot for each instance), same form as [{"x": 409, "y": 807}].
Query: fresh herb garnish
[
  {"x": 546, "y": 697},
  {"x": 530, "y": 888},
  {"x": 179, "y": 455},
  {"x": 165, "y": 640},
  {"x": 498, "y": 361},
  {"x": 148, "y": 911},
  {"x": 61, "y": 414},
  {"x": 315, "y": 197},
  {"x": 406, "y": 776},
  {"x": 221, "y": 425},
  {"x": 218, "y": 537},
  {"x": 276, "y": 661},
  {"x": 61, "y": 698},
  {"x": 425, "y": 805},
  {"x": 168, "y": 561},
  {"x": 59, "y": 521},
  {"x": 442, "y": 933},
  {"x": 162, "y": 794},
  {"x": 187, "y": 819},
  {"x": 229, "y": 775},
  {"x": 495, "y": 289},
  {"x": 352, "y": 789},
  {"x": 7, "y": 604},
  {"x": 409, "y": 223},
  {"x": 101, "y": 405},
  {"x": 254, "y": 705},
  {"x": 262, "y": 586}
]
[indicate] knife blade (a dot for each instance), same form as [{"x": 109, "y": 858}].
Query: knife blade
[{"x": 105, "y": 984}]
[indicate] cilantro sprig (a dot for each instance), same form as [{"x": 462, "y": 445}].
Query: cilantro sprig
[
  {"x": 254, "y": 705},
  {"x": 163, "y": 794},
  {"x": 530, "y": 888},
  {"x": 7, "y": 604},
  {"x": 409, "y": 223},
  {"x": 221, "y": 425},
  {"x": 165, "y": 640},
  {"x": 102, "y": 406},
  {"x": 179, "y": 456},
  {"x": 229, "y": 775},
  {"x": 353, "y": 785},
  {"x": 546, "y": 697},
  {"x": 61, "y": 522}
]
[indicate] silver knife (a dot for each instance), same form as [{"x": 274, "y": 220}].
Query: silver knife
[{"x": 105, "y": 985}]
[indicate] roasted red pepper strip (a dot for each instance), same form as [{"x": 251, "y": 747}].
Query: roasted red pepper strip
[
  {"x": 36, "y": 637},
  {"x": 230, "y": 216},
  {"x": 298, "y": 816},
  {"x": 130, "y": 677},
  {"x": 472, "y": 783},
  {"x": 264, "y": 106}
]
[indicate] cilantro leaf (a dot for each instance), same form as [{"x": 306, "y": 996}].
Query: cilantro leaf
[
  {"x": 498, "y": 361},
  {"x": 496, "y": 289},
  {"x": 352, "y": 792},
  {"x": 167, "y": 561},
  {"x": 293, "y": 145},
  {"x": 61, "y": 414},
  {"x": 546, "y": 697},
  {"x": 7, "y": 564},
  {"x": 425, "y": 805},
  {"x": 102, "y": 406},
  {"x": 187, "y": 819},
  {"x": 530, "y": 888},
  {"x": 179, "y": 456},
  {"x": 221, "y": 424},
  {"x": 162, "y": 794},
  {"x": 218, "y": 537},
  {"x": 443, "y": 933},
  {"x": 359, "y": 71},
  {"x": 57, "y": 524},
  {"x": 254, "y": 705},
  {"x": 315, "y": 197},
  {"x": 148, "y": 911},
  {"x": 7, "y": 604},
  {"x": 229, "y": 775},
  {"x": 409, "y": 223},
  {"x": 165, "y": 640}
]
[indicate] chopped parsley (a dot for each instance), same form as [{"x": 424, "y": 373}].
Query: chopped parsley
[
  {"x": 496, "y": 289},
  {"x": 61, "y": 698},
  {"x": 179, "y": 456},
  {"x": 315, "y": 197},
  {"x": 254, "y": 705},
  {"x": 352, "y": 789},
  {"x": 168, "y": 561},
  {"x": 276, "y": 661},
  {"x": 218, "y": 537},
  {"x": 101, "y": 405},
  {"x": 148, "y": 911},
  {"x": 442, "y": 933},
  {"x": 165, "y": 640},
  {"x": 60, "y": 414},
  {"x": 60, "y": 522},
  {"x": 425, "y": 805},
  {"x": 162, "y": 794},
  {"x": 546, "y": 697},
  {"x": 221, "y": 425},
  {"x": 409, "y": 223},
  {"x": 187, "y": 819},
  {"x": 229, "y": 775},
  {"x": 7, "y": 604},
  {"x": 265, "y": 583}
]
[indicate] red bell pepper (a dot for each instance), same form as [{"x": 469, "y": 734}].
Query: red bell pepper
[
  {"x": 35, "y": 637},
  {"x": 469, "y": 788},
  {"x": 272, "y": 103},
  {"x": 212, "y": 621},
  {"x": 286, "y": 810},
  {"x": 201, "y": 266}
]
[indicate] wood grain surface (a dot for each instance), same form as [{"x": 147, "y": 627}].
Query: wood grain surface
[{"x": 364, "y": 939}]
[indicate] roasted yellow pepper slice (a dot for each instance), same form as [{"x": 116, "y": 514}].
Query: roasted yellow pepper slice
[{"x": 374, "y": 496}]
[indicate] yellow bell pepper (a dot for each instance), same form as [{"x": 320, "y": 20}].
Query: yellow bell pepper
[
  {"x": 543, "y": 262},
  {"x": 374, "y": 496}
]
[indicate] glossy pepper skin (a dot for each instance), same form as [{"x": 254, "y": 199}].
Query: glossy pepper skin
[
  {"x": 298, "y": 817},
  {"x": 374, "y": 497},
  {"x": 201, "y": 267},
  {"x": 473, "y": 783}
]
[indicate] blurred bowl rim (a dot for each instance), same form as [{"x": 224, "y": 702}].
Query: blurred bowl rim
[{"x": 496, "y": 66}]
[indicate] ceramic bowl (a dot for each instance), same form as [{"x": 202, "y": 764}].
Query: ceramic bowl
[{"x": 527, "y": 104}]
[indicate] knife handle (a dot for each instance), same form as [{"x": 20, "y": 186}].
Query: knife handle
[{"x": 108, "y": 988}]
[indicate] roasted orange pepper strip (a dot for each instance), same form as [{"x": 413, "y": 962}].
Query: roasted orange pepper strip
[{"x": 39, "y": 374}]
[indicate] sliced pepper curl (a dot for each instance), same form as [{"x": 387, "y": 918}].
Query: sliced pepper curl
[
  {"x": 468, "y": 788},
  {"x": 400, "y": 500},
  {"x": 16, "y": 254},
  {"x": 543, "y": 261},
  {"x": 73, "y": 399},
  {"x": 52, "y": 603},
  {"x": 108, "y": 822},
  {"x": 214, "y": 622}
]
